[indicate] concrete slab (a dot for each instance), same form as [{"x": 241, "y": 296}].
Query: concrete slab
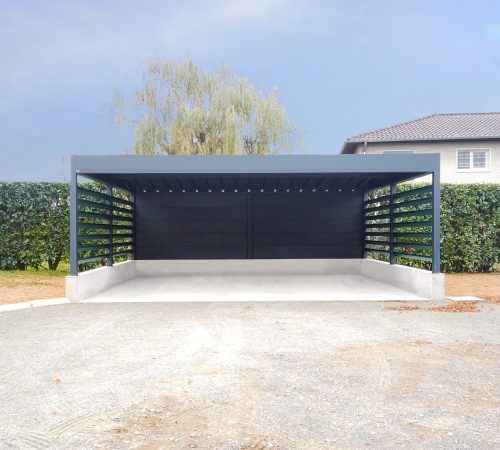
[{"x": 256, "y": 287}]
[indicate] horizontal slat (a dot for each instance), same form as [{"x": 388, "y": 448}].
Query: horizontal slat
[
  {"x": 378, "y": 199},
  {"x": 93, "y": 226},
  {"x": 93, "y": 258},
  {"x": 413, "y": 192},
  {"x": 193, "y": 240},
  {"x": 383, "y": 252},
  {"x": 89, "y": 248},
  {"x": 186, "y": 213},
  {"x": 423, "y": 223},
  {"x": 380, "y": 217},
  {"x": 377, "y": 233},
  {"x": 347, "y": 251},
  {"x": 304, "y": 239},
  {"x": 377, "y": 225},
  {"x": 423, "y": 212},
  {"x": 378, "y": 208},
  {"x": 123, "y": 227},
  {"x": 93, "y": 215},
  {"x": 418, "y": 202},
  {"x": 181, "y": 252},
  {"x": 122, "y": 253},
  {"x": 413, "y": 245},
  {"x": 123, "y": 210},
  {"x": 95, "y": 205},
  {"x": 94, "y": 194},
  {"x": 371, "y": 244},
  {"x": 122, "y": 201},
  {"x": 417, "y": 257},
  {"x": 416, "y": 235},
  {"x": 92, "y": 237},
  {"x": 371, "y": 241}
]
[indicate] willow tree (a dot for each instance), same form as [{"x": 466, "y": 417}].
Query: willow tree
[{"x": 182, "y": 109}]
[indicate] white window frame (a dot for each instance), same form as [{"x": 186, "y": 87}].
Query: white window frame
[{"x": 473, "y": 169}]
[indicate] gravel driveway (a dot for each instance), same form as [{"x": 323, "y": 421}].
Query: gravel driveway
[{"x": 249, "y": 375}]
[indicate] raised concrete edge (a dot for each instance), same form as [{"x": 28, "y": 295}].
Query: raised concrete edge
[
  {"x": 271, "y": 267},
  {"x": 421, "y": 282},
  {"x": 90, "y": 283}
]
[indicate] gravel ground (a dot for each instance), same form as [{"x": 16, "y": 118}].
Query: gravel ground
[{"x": 249, "y": 375}]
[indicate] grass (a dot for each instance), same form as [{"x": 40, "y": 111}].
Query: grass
[{"x": 14, "y": 278}]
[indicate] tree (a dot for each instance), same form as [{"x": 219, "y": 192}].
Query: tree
[{"x": 182, "y": 109}]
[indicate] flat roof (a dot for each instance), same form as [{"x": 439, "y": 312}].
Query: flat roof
[{"x": 199, "y": 173}]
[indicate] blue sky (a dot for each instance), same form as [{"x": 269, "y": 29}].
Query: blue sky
[{"x": 341, "y": 67}]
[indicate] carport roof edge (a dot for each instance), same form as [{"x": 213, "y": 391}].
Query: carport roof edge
[{"x": 418, "y": 164}]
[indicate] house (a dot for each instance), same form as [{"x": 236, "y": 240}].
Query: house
[{"x": 469, "y": 144}]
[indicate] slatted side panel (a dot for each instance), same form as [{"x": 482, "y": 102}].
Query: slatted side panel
[
  {"x": 191, "y": 225},
  {"x": 400, "y": 224},
  {"x": 105, "y": 225},
  {"x": 306, "y": 225}
]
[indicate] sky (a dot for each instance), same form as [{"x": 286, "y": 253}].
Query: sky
[{"x": 341, "y": 67}]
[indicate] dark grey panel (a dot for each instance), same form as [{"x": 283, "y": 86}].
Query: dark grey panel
[
  {"x": 191, "y": 226},
  {"x": 322, "y": 225},
  {"x": 306, "y": 252},
  {"x": 216, "y": 225},
  {"x": 192, "y": 213},
  {"x": 194, "y": 253}
]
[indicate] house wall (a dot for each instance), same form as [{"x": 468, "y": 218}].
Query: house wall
[
  {"x": 241, "y": 225},
  {"x": 448, "y": 152}
]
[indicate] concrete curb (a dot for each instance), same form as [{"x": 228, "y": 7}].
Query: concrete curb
[{"x": 34, "y": 304}]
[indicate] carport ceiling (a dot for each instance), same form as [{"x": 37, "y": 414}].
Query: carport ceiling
[
  {"x": 274, "y": 173},
  {"x": 255, "y": 183}
]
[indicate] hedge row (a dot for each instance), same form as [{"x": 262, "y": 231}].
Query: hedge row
[
  {"x": 34, "y": 226},
  {"x": 470, "y": 227}
]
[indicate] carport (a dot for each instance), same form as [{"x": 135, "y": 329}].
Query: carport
[{"x": 308, "y": 227}]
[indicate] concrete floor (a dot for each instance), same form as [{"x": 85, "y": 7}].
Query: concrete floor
[
  {"x": 308, "y": 375},
  {"x": 180, "y": 288}
]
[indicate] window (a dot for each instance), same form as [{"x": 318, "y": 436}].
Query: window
[{"x": 477, "y": 159}]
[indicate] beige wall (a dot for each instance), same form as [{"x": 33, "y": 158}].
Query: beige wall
[{"x": 448, "y": 151}]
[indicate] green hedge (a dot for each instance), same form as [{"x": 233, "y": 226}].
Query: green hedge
[
  {"x": 470, "y": 227},
  {"x": 34, "y": 226}
]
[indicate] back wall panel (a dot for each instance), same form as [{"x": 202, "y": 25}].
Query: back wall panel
[{"x": 241, "y": 225}]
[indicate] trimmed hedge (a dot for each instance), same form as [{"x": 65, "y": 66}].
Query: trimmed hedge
[
  {"x": 34, "y": 226},
  {"x": 470, "y": 227}
]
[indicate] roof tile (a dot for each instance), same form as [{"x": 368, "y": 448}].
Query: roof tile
[{"x": 438, "y": 126}]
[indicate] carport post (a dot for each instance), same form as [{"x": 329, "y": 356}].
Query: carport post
[
  {"x": 392, "y": 256},
  {"x": 436, "y": 220},
  {"x": 366, "y": 197},
  {"x": 73, "y": 246},
  {"x": 109, "y": 192}
]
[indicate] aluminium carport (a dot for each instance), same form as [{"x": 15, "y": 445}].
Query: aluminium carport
[{"x": 187, "y": 223}]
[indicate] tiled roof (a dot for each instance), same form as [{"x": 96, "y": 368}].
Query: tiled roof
[{"x": 438, "y": 126}]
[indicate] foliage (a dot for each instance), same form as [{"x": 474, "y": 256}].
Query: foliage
[
  {"x": 182, "y": 109},
  {"x": 470, "y": 227},
  {"x": 34, "y": 224}
]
